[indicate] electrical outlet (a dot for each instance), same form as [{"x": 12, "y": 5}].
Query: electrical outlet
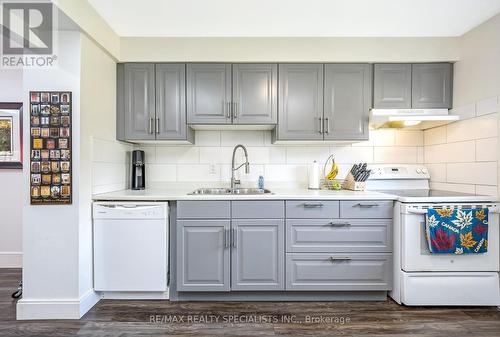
[{"x": 211, "y": 169}]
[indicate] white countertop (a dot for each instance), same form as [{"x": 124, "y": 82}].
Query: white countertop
[{"x": 178, "y": 193}]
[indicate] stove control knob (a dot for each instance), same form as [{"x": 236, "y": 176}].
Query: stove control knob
[
  {"x": 419, "y": 171},
  {"x": 424, "y": 170}
]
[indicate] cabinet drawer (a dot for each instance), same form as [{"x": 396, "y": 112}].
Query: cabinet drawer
[
  {"x": 366, "y": 209},
  {"x": 258, "y": 209},
  {"x": 312, "y": 209},
  {"x": 344, "y": 272},
  {"x": 203, "y": 209},
  {"x": 349, "y": 235}
]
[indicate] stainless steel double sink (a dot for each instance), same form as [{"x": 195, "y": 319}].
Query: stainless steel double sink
[{"x": 230, "y": 191}]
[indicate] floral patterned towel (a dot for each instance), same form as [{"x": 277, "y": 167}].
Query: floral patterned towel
[{"x": 457, "y": 231}]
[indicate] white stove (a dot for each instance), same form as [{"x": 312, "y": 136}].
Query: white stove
[{"x": 423, "y": 278}]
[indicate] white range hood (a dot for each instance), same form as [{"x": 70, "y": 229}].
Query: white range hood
[{"x": 419, "y": 119}]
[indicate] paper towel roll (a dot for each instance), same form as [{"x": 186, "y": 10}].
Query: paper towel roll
[{"x": 313, "y": 173}]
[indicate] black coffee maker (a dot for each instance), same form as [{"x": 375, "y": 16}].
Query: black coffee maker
[{"x": 138, "y": 170}]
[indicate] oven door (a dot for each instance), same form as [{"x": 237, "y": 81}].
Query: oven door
[{"x": 415, "y": 254}]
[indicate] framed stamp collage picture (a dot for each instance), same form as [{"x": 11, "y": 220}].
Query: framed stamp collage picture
[{"x": 50, "y": 147}]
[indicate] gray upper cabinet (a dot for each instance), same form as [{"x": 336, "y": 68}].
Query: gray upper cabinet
[
  {"x": 170, "y": 101},
  {"x": 255, "y": 94},
  {"x": 431, "y": 85},
  {"x": 139, "y": 101},
  {"x": 258, "y": 261},
  {"x": 209, "y": 93},
  {"x": 203, "y": 255},
  {"x": 392, "y": 86},
  {"x": 347, "y": 101},
  {"x": 300, "y": 111}
]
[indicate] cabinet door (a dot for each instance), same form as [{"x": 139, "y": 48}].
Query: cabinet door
[
  {"x": 258, "y": 255},
  {"x": 347, "y": 101},
  {"x": 392, "y": 86},
  {"x": 300, "y": 111},
  {"x": 209, "y": 93},
  {"x": 139, "y": 101},
  {"x": 170, "y": 101},
  {"x": 203, "y": 255},
  {"x": 431, "y": 85},
  {"x": 255, "y": 93}
]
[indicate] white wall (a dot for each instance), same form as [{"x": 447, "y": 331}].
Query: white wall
[
  {"x": 463, "y": 156},
  {"x": 11, "y": 182},
  {"x": 277, "y": 163}
]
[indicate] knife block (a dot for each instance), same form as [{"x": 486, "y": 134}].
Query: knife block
[{"x": 351, "y": 184}]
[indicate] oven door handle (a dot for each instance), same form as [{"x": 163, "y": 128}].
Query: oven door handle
[{"x": 494, "y": 210}]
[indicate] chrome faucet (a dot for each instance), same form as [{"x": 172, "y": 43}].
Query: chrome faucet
[{"x": 235, "y": 182}]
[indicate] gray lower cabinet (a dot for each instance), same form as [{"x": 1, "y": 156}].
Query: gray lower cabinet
[
  {"x": 209, "y": 93},
  {"x": 255, "y": 98},
  {"x": 138, "y": 101},
  {"x": 342, "y": 235},
  {"x": 257, "y": 258},
  {"x": 431, "y": 85},
  {"x": 338, "y": 271},
  {"x": 392, "y": 86},
  {"x": 203, "y": 255},
  {"x": 300, "y": 112},
  {"x": 347, "y": 100}
]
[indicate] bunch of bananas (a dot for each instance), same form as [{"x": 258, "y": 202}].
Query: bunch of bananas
[{"x": 333, "y": 172}]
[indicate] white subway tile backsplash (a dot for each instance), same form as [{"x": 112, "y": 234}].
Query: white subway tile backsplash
[
  {"x": 437, "y": 172},
  {"x": 213, "y": 155},
  {"x": 462, "y": 188},
  {"x": 161, "y": 172},
  {"x": 450, "y": 153},
  {"x": 305, "y": 155},
  {"x": 108, "y": 173},
  {"x": 252, "y": 177},
  {"x": 200, "y": 172},
  {"x": 487, "y": 149},
  {"x": 247, "y": 138},
  {"x": 409, "y": 138},
  {"x": 487, "y": 106},
  {"x": 295, "y": 173},
  {"x": 379, "y": 137},
  {"x": 177, "y": 155},
  {"x": 397, "y": 155},
  {"x": 486, "y": 190},
  {"x": 474, "y": 128},
  {"x": 110, "y": 151},
  {"x": 207, "y": 138},
  {"x": 435, "y": 136},
  {"x": 484, "y": 173},
  {"x": 465, "y": 111},
  {"x": 352, "y": 154}
]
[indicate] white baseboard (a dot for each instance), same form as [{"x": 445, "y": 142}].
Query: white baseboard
[
  {"x": 11, "y": 259},
  {"x": 134, "y": 295},
  {"x": 56, "y": 309}
]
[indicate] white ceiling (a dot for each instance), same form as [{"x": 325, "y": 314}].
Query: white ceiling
[{"x": 295, "y": 17}]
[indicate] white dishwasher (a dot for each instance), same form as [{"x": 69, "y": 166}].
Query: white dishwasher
[{"x": 131, "y": 247}]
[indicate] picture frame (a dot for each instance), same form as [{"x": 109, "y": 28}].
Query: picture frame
[
  {"x": 50, "y": 147},
  {"x": 11, "y": 135}
]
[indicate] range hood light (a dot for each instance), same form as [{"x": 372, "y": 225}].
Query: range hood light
[{"x": 411, "y": 123}]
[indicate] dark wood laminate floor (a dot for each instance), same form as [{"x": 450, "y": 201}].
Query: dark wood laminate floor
[{"x": 132, "y": 318}]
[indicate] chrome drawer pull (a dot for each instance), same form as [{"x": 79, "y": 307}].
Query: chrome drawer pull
[
  {"x": 313, "y": 205},
  {"x": 338, "y": 259},
  {"x": 367, "y": 205},
  {"x": 339, "y": 224}
]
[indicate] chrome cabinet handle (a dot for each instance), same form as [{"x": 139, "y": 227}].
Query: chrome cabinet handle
[
  {"x": 229, "y": 112},
  {"x": 157, "y": 125},
  {"x": 320, "y": 125},
  {"x": 234, "y": 237},
  {"x": 312, "y": 205},
  {"x": 367, "y": 205},
  {"x": 235, "y": 110},
  {"x": 224, "y": 238},
  {"x": 151, "y": 125},
  {"x": 335, "y": 259},
  {"x": 327, "y": 123},
  {"x": 339, "y": 224}
]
